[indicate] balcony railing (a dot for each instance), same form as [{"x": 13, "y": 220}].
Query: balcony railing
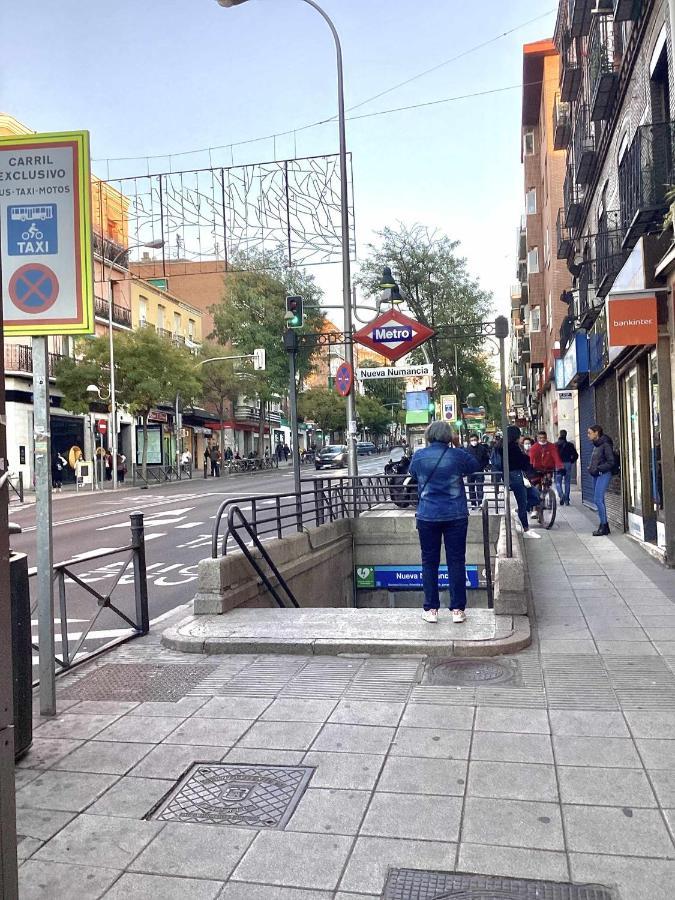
[
  {"x": 570, "y": 70},
  {"x": 626, "y": 10},
  {"x": 580, "y": 16},
  {"x": 566, "y": 332},
  {"x": 110, "y": 250},
  {"x": 609, "y": 254},
  {"x": 121, "y": 314},
  {"x": 19, "y": 358},
  {"x": 604, "y": 64},
  {"x": 562, "y": 127},
  {"x": 565, "y": 244},
  {"x": 585, "y": 296},
  {"x": 572, "y": 201},
  {"x": 584, "y": 147},
  {"x": 163, "y": 332},
  {"x": 645, "y": 177}
]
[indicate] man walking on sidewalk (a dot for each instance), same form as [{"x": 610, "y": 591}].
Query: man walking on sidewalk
[{"x": 568, "y": 456}]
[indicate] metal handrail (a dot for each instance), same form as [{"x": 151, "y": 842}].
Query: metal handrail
[{"x": 487, "y": 556}]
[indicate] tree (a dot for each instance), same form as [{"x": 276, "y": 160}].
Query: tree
[
  {"x": 149, "y": 370},
  {"x": 221, "y": 384},
  {"x": 251, "y": 315},
  {"x": 327, "y": 408},
  {"x": 372, "y": 415}
]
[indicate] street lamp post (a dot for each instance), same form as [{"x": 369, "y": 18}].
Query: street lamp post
[
  {"x": 344, "y": 204},
  {"x": 151, "y": 245}
]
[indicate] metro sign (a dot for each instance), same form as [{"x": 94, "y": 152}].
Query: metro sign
[{"x": 393, "y": 335}]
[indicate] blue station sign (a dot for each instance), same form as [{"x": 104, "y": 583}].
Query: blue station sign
[{"x": 407, "y": 578}]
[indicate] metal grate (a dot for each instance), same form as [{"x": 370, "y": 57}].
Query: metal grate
[
  {"x": 140, "y": 682},
  {"x": 412, "y": 884},
  {"x": 246, "y": 796}
]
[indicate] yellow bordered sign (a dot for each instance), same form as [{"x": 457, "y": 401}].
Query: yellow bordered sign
[{"x": 45, "y": 234}]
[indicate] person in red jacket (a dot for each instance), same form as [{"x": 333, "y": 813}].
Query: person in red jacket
[{"x": 544, "y": 457}]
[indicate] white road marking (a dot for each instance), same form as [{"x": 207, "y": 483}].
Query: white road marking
[
  {"x": 151, "y": 537},
  {"x": 191, "y": 524}
]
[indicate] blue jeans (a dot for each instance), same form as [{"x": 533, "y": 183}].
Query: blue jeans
[
  {"x": 566, "y": 476},
  {"x": 601, "y": 484},
  {"x": 453, "y": 533},
  {"x": 526, "y": 498}
]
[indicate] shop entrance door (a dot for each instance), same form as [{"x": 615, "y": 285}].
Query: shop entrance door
[{"x": 632, "y": 467}]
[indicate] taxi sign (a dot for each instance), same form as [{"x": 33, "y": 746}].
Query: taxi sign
[{"x": 393, "y": 334}]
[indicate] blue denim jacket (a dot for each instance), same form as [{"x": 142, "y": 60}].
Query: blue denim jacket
[{"x": 442, "y": 496}]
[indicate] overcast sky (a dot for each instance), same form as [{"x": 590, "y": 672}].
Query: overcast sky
[{"x": 152, "y": 78}]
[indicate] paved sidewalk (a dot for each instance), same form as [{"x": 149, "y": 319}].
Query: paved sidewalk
[{"x": 562, "y": 771}]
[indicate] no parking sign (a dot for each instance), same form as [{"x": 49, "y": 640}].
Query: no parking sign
[{"x": 45, "y": 234}]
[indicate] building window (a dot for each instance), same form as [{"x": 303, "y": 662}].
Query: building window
[
  {"x": 143, "y": 309},
  {"x": 528, "y": 143},
  {"x": 531, "y": 202},
  {"x": 176, "y": 323},
  {"x": 547, "y": 248},
  {"x": 160, "y": 316},
  {"x": 535, "y": 318},
  {"x": 191, "y": 329},
  {"x": 549, "y": 312},
  {"x": 533, "y": 261}
]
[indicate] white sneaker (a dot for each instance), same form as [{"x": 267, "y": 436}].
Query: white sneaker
[
  {"x": 430, "y": 616},
  {"x": 458, "y": 616},
  {"x": 532, "y": 534}
]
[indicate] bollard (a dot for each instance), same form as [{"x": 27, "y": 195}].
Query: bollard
[{"x": 140, "y": 574}]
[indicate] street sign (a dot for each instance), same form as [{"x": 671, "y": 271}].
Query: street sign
[
  {"x": 449, "y": 407},
  {"x": 375, "y": 374},
  {"x": 393, "y": 335},
  {"x": 259, "y": 359},
  {"x": 102, "y": 426},
  {"x": 45, "y": 225},
  {"x": 344, "y": 379},
  {"x": 407, "y": 578}
]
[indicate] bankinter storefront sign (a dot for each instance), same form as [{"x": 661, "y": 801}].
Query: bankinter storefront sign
[{"x": 632, "y": 321}]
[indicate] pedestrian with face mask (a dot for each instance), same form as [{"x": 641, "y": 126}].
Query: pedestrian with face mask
[
  {"x": 568, "y": 455},
  {"x": 481, "y": 454}
]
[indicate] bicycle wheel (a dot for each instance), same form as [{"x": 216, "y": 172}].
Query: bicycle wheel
[{"x": 548, "y": 508}]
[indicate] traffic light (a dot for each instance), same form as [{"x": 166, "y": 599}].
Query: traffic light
[
  {"x": 295, "y": 314},
  {"x": 431, "y": 403}
]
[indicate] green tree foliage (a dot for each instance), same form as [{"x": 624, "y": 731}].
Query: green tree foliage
[
  {"x": 327, "y": 408},
  {"x": 149, "y": 370},
  {"x": 372, "y": 415},
  {"x": 222, "y": 382},
  {"x": 251, "y": 315}
]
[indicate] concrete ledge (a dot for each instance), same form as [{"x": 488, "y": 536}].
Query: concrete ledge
[{"x": 511, "y": 583}]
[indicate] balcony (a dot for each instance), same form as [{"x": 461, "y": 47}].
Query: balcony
[
  {"x": 609, "y": 254},
  {"x": 121, "y": 314},
  {"x": 570, "y": 70},
  {"x": 566, "y": 332},
  {"x": 19, "y": 358},
  {"x": 580, "y": 16},
  {"x": 626, "y": 10},
  {"x": 565, "y": 243},
  {"x": 572, "y": 201},
  {"x": 586, "y": 307},
  {"x": 645, "y": 177},
  {"x": 604, "y": 64},
  {"x": 524, "y": 350},
  {"x": 584, "y": 147},
  {"x": 110, "y": 250},
  {"x": 562, "y": 126}
]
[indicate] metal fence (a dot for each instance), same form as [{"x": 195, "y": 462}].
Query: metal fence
[
  {"x": 159, "y": 474},
  {"x": 15, "y": 483}
]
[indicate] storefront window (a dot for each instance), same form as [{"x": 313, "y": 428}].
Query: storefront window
[
  {"x": 655, "y": 473},
  {"x": 633, "y": 478}
]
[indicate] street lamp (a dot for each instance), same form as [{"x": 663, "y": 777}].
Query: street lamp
[
  {"x": 344, "y": 204},
  {"x": 150, "y": 245}
]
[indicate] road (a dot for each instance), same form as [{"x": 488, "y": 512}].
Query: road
[{"x": 178, "y": 519}]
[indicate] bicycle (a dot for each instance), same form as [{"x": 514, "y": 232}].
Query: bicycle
[{"x": 548, "y": 501}]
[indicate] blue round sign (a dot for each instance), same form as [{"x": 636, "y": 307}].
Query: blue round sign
[{"x": 344, "y": 378}]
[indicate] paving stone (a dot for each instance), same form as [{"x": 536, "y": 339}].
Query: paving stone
[
  {"x": 264, "y": 757},
  {"x": 428, "y": 715},
  {"x": 625, "y": 648},
  {"x": 172, "y": 760},
  {"x": 651, "y": 723},
  {"x": 295, "y": 859},
  {"x": 524, "y": 721},
  {"x": 431, "y": 742},
  {"x": 656, "y": 754},
  {"x": 595, "y": 751},
  {"x": 39, "y": 880},
  {"x": 624, "y": 831},
  {"x": 233, "y": 708},
  {"x": 586, "y": 647},
  {"x": 67, "y": 791},
  {"x": 131, "y": 798},
  {"x": 664, "y": 784},
  {"x": 581, "y": 723},
  {"x": 239, "y": 890},
  {"x": 109, "y": 841},
  {"x": 102, "y": 707},
  {"x": 605, "y": 787},
  {"x": 414, "y": 816},
  {"x": 372, "y": 858},
  {"x": 329, "y": 811},
  {"x": 209, "y": 732},
  {"x": 140, "y": 729},
  {"x": 292, "y": 710},
  {"x": 513, "y": 862},
  {"x": 354, "y": 771},
  {"x": 341, "y": 895},
  {"x": 512, "y": 781},
  {"x": 500, "y": 746},
  {"x": 44, "y": 753},
  {"x": 195, "y": 851},
  {"x": 106, "y": 757},
  {"x": 182, "y": 708},
  {"x": 74, "y": 727},
  {"x": 280, "y": 735},
  {"x": 152, "y": 887},
  {"x": 354, "y": 738},
  {"x": 25, "y": 776},
  {"x": 651, "y": 879},
  {"x": 363, "y": 712},
  {"x": 41, "y": 823},
  {"x": 407, "y": 775},
  {"x": 512, "y": 823}
]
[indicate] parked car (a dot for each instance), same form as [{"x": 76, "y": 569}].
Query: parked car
[
  {"x": 332, "y": 457},
  {"x": 365, "y": 448}
]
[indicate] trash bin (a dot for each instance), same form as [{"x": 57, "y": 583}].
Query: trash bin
[{"x": 22, "y": 654}]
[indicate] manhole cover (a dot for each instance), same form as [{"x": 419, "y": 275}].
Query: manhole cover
[
  {"x": 468, "y": 672},
  {"x": 250, "y": 796},
  {"x": 411, "y": 884},
  {"x": 140, "y": 682}
]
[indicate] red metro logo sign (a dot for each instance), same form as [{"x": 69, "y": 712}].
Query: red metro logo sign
[{"x": 392, "y": 334}]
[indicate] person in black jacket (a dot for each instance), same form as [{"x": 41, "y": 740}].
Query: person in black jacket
[
  {"x": 481, "y": 454},
  {"x": 568, "y": 455},
  {"x": 600, "y": 467},
  {"x": 519, "y": 465}
]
